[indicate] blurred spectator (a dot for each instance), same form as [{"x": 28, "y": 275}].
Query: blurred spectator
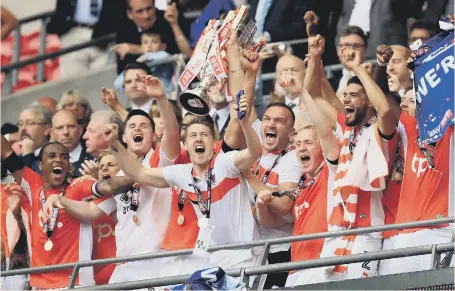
[
  {"x": 384, "y": 21},
  {"x": 155, "y": 114},
  {"x": 290, "y": 66},
  {"x": 79, "y": 21},
  {"x": 9, "y": 22},
  {"x": 48, "y": 102},
  {"x": 67, "y": 131},
  {"x": 145, "y": 17},
  {"x": 422, "y": 30},
  {"x": 154, "y": 50},
  {"x": 219, "y": 108},
  {"x": 34, "y": 127},
  {"x": 94, "y": 137},
  {"x": 74, "y": 100},
  {"x": 398, "y": 74},
  {"x": 351, "y": 37},
  {"x": 133, "y": 86}
]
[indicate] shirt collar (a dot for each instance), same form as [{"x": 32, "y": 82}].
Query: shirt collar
[
  {"x": 75, "y": 154},
  {"x": 222, "y": 113},
  {"x": 288, "y": 100},
  {"x": 37, "y": 151},
  {"x": 146, "y": 107}
]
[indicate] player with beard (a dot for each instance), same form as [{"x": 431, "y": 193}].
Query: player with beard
[
  {"x": 427, "y": 169},
  {"x": 367, "y": 133},
  {"x": 211, "y": 184},
  {"x": 143, "y": 213},
  {"x": 65, "y": 239}
]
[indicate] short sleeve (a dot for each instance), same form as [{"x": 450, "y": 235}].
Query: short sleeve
[
  {"x": 106, "y": 204},
  {"x": 158, "y": 159},
  {"x": 173, "y": 174},
  {"x": 225, "y": 165},
  {"x": 30, "y": 179},
  {"x": 290, "y": 170}
]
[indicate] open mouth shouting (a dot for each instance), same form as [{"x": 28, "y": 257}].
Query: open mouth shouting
[
  {"x": 138, "y": 138},
  {"x": 106, "y": 176},
  {"x": 199, "y": 149},
  {"x": 57, "y": 170},
  {"x": 348, "y": 111},
  {"x": 305, "y": 158},
  {"x": 271, "y": 135}
]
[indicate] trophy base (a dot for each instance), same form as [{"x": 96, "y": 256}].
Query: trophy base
[{"x": 194, "y": 104}]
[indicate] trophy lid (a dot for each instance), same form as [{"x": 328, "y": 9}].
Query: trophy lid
[{"x": 193, "y": 103}]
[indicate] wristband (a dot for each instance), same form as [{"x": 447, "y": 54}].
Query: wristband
[
  {"x": 95, "y": 190},
  {"x": 13, "y": 163},
  {"x": 381, "y": 64}
]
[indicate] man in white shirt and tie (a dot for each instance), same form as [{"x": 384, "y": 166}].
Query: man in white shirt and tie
[
  {"x": 219, "y": 108},
  {"x": 290, "y": 65},
  {"x": 67, "y": 131}
]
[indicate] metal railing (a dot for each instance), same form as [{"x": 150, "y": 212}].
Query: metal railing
[{"x": 266, "y": 243}]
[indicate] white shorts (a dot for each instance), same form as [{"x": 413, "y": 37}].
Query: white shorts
[
  {"x": 419, "y": 238},
  {"x": 364, "y": 243},
  {"x": 305, "y": 277}
]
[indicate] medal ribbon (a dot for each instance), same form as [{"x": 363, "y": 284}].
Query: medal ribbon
[
  {"x": 204, "y": 207},
  {"x": 135, "y": 193},
  {"x": 293, "y": 194},
  {"x": 354, "y": 140},
  {"x": 48, "y": 228},
  {"x": 427, "y": 151},
  {"x": 265, "y": 178}
]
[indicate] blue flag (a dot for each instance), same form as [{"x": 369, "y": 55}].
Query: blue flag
[{"x": 434, "y": 88}]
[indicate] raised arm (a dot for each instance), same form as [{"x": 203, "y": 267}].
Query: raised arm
[
  {"x": 9, "y": 22},
  {"x": 170, "y": 142},
  {"x": 131, "y": 166},
  {"x": 81, "y": 210},
  {"x": 109, "y": 97},
  {"x": 11, "y": 161},
  {"x": 386, "y": 118},
  {"x": 245, "y": 158},
  {"x": 172, "y": 16}
]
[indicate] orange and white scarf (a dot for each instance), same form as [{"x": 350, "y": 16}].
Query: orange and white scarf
[{"x": 365, "y": 170}]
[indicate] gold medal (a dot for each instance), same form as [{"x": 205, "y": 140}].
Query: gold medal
[
  {"x": 203, "y": 222},
  {"x": 48, "y": 245},
  {"x": 60, "y": 224},
  {"x": 253, "y": 210},
  {"x": 180, "y": 219},
  {"x": 397, "y": 176},
  {"x": 135, "y": 219}
]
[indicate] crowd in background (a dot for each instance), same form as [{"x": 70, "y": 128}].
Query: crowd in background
[{"x": 313, "y": 153}]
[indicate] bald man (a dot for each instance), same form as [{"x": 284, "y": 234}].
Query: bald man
[
  {"x": 398, "y": 76},
  {"x": 67, "y": 131},
  {"x": 48, "y": 102},
  {"x": 292, "y": 66}
]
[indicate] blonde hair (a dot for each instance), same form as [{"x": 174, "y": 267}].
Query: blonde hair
[
  {"x": 106, "y": 152},
  {"x": 406, "y": 50}
]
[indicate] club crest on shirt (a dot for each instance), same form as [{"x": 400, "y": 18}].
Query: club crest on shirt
[{"x": 126, "y": 197}]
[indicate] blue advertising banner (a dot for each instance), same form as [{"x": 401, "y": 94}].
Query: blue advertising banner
[{"x": 434, "y": 88}]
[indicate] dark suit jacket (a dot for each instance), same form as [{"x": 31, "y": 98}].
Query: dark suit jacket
[
  {"x": 113, "y": 15},
  {"x": 387, "y": 22},
  {"x": 129, "y": 33},
  {"x": 77, "y": 165},
  {"x": 284, "y": 20}
]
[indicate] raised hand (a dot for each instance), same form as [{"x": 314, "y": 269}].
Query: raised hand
[
  {"x": 291, "y": 84},
  {"x": 14, "y": 193},
  {"x": 264, "y": 197},
  {"x": 28, "y": 145},
  {"x": 384, "y": 53},
  {"x": 242, "y": 107},
  {"x": 316, "y": 45},
  {"x": 152, "y": 86},
  {"x": 109, "y": 97},
  {"x": 351, "y": 58},
  {"x": 82, "y": 179},
  {"x": 369, "y": 68},
  {"x": 251, "y": 61},
  {"x": 122, "y": 49},
  {"x": 90, "y": 168},
  {"x": 52, "y": 202},
  {"x": 110, "y": 132},
  {"x": 311, "y": 20},
  {"x": 172, "y": 14}
]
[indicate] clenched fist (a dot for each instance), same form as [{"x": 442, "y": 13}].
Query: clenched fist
[
  {"x": 110, "y": 132},
  {"x": 384, "y": 53}
]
